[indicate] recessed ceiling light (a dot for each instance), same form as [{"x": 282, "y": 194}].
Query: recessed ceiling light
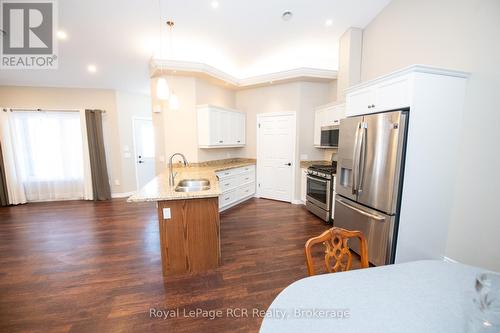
[
  {"x": 287, "y": 15},
  {"x": 92, "y": 68},
  {"x": 215, "y": 4},
  {"x": 328, "y": 23},
  {"x": 61, "y": 35}
]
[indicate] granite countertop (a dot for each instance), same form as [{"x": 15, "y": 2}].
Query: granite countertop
[
  {"x": 307, "y": 164},
  {"x": 158, "y": 189}
]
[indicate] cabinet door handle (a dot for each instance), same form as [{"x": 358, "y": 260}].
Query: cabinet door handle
[
  {"x": 369, "y": 106},
  {"x": 220, "y": 141}
]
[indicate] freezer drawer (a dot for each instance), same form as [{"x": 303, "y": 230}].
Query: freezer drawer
[{"x": 377, "y": 227}]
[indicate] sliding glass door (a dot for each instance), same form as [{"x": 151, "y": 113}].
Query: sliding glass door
[{"x": 49, "y": 154}]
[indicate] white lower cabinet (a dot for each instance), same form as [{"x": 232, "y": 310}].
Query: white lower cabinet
[
  {"x": 229, "y": 183},
  {"x": 237, "y": 185}
]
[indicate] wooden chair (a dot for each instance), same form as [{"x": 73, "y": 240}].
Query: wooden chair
[{"x": 335, "y": 240}]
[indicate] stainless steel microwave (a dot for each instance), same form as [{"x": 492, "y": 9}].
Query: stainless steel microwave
[{"x": 329, "y": 136}]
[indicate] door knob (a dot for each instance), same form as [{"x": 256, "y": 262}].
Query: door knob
[
  {"x": 140, "y": 162},
  {"x": 289, "y": 164}
]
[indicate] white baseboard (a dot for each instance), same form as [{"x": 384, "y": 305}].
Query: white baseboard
[
  {"x": 446, "y": 259},
  {"x": 122, "y": 195},
  {"x": 297, "y": 202}
]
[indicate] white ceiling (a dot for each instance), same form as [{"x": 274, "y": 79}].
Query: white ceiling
[{"x": 242, "y": 38}]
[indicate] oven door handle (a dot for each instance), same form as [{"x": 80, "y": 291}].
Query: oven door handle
[{"x": 318, "y": 179}]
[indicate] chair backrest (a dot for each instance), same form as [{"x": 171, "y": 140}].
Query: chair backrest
[{"x": 337, "y": 250}]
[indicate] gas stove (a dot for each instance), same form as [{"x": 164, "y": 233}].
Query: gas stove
[
  {"x": 323, "y": 171},
  {"x": 321, "y": 190}
]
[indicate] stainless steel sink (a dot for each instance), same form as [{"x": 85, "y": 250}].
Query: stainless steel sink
[{"x": 193, "y": 185}]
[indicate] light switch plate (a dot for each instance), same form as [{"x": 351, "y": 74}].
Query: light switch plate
[{"x": 166, "y": 214}]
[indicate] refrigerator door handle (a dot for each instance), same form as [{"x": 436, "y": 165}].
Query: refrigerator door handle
[
  {"x": 362, "y": 212},
  {"x": 362, "y": 157},
  {"x": 355, "y": 160}
]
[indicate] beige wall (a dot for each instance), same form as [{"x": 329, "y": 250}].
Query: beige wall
[
  {"x": 299, "y": 97},
  {"x": 129, "y": 105},
  {"x": 349, "y": 72},
  {"x": 70, "y": 98},
  {"x": 272, "y": 98},
  {"x": 462, "y": 35},
  {"x": 177, "y": 129}
]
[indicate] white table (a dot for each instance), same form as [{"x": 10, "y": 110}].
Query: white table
[{"x": 422, "y": 296}]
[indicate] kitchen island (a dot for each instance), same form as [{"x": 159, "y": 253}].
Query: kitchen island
[{"x": 189, "y": 223}]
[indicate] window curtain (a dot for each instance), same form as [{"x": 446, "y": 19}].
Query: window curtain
[
  {"x": 45, "y": 156},
  {"x": 49, "y": 154},
  {"x": 99, "y": 171},
  {"x": 4, "y": 195},
  {"x": 15, "y": 189}
]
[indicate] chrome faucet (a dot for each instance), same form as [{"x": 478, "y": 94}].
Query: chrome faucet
[{"x": 171, "y": 178}]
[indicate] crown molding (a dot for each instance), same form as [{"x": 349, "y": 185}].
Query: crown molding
[
  {"x": 418, "y": 68},
  {"x": 175, "y": 67}
]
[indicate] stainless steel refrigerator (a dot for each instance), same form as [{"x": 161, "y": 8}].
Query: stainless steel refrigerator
[{"x": 370, "y": 176}]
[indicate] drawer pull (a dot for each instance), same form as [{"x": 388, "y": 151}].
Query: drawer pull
[
  {"x": 226, "y": 199},
  {"x": 227, "y": 184}
]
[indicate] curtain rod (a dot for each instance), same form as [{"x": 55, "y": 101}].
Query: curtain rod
[{"x": 41, "y": 110}]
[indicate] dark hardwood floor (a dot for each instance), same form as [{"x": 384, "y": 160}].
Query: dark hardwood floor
[{"x": 95, "y": 267}]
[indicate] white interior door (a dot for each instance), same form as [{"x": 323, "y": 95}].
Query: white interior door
[
  {"x": 276, "y": 156},
  {"x": 144, "y": 150}
]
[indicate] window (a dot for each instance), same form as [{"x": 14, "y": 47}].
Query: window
[{"x": 49, "y": 154}]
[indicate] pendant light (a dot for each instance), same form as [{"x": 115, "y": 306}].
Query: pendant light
[
  {"x": 162, "y": 90},
  {"x": 173, "y": 102}
]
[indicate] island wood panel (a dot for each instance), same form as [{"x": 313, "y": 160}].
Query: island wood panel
[{"x": 190, "y": 239}]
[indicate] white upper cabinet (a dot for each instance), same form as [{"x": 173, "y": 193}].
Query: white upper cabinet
[
  {"x": 220, "y": 127},
  {"x": 360, "y": 100},
  {"x": 389, "y": 94},
  {"x": 327, "y": 115},
  {"x": 237, "y": 128}
]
